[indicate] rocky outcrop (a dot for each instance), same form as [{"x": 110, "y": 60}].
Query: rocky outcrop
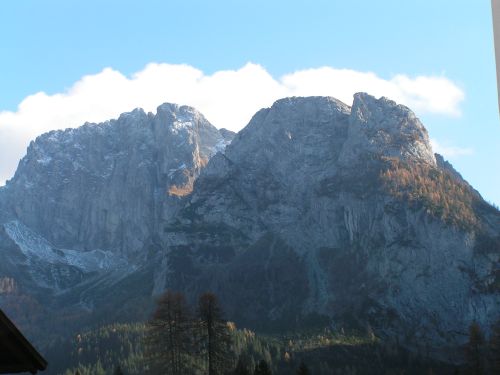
[{"x": 381, "y": 127}]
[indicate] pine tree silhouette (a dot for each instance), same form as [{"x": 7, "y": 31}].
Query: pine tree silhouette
[
  {"x": 169, "y": 339},
  {"x": 213, "y": 334}
]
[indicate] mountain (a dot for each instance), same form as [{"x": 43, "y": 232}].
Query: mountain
[
  {"x": 318, "y": 208},
  {"x": 83, "y": 211},
  {"x": 107, "y": 185},
  {"x": 315, "y": 213}
]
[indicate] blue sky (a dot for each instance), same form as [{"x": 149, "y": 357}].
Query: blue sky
[{"x": 49, "y": 46}]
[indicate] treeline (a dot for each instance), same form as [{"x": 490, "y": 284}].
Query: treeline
[
  {"x": 100, "y": 351},
  {"x": 183, "y": 339},
  {"x": 178, "y": 339}
]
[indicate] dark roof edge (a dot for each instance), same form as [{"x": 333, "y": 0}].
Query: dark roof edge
[{"x": 41, "y": 363}]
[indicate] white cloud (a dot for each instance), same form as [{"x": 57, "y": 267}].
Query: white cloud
[
  {"x": 450, "y": 151},
  {"x": 423, "y": 94},
  {"x": 227, "y": 98}
]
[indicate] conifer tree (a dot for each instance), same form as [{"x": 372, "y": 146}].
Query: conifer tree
[
  {"x": 213, "y": 334},
  {"x": 169, "y": 338}
]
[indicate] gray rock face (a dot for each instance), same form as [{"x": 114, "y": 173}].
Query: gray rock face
[
  {"x": 107, "y": 186},
  {"x": 298, "y": 192},
  {"x": 381, "y": 127}
]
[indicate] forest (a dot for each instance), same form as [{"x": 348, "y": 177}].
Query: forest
[{"x": 181, "y": 339}]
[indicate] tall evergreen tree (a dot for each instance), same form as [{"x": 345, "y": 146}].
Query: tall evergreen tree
[
  {"x": 214, "y": 334},
  {"x": 475, "y": 349},
  {"x": 303, "y": 370},
  {"x": 262, "y": 368},
  {"x": 495, "y": 347},
  {"x": 118, "y": 370},
  {"x": 169, "y": 338}
]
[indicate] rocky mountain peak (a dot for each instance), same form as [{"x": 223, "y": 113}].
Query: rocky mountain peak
[
  {"x": 295, "y": 114},
  {"x": 293, "y": 133},
  {"x": 136, "y": 114},
  {"x": 107, "y": 185},
  {"x": 380, "y": 127},
  {"x": 176, "y": 115},
  {"x": 324, "y": 128},
  {"x": 301, "y": 202}
]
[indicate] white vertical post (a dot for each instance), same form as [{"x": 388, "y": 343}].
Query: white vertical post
[{"x": 495, "y": 7}]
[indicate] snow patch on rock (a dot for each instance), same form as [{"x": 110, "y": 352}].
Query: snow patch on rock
[{"x": 38, "y": 249}]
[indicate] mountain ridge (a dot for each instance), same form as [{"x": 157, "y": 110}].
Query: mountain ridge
[{"x": 315, "y": 209}]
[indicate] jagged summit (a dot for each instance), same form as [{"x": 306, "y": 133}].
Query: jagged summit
[
  {"x": 309, "y": 128},
  {"x": 168, "y": 115},
  {"x": 380, "y": 126}
]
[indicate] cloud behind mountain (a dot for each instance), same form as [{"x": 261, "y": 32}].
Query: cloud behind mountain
[{"x": 228, "y": 98}]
